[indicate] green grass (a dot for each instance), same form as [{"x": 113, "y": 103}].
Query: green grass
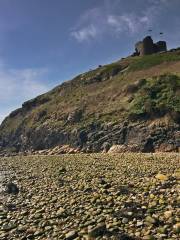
[
  {"x": 106, "y": 69},
  {"x": 111, "y": 67},
  {"x": 159, "y": 94},
  {"x": 149, "y": 61}
]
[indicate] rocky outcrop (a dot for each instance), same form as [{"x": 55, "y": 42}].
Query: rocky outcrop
[
  {"x": 124, "y": 137},
  {"x": 75, "y": 116}
]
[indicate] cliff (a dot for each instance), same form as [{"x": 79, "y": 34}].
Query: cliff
[{"x": 134, "y": 101}]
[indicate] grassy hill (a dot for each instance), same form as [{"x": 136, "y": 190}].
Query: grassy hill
[{"x": 133, "y": 91}]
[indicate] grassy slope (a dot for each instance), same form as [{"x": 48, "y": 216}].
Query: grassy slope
[{"x": 105, "y": 100}]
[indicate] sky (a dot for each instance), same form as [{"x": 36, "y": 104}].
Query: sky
[{"x": 46, "y": 42}]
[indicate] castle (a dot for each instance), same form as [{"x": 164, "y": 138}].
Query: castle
[{"x": 147, "y": 47}]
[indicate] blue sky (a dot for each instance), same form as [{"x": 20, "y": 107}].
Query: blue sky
[{"x": 45, "y": 42}]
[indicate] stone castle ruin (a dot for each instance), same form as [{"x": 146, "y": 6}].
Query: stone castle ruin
[{"x": 147, "y": 47}]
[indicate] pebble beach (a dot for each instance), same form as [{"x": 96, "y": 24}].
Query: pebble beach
[{"x": 90, "y": 196}]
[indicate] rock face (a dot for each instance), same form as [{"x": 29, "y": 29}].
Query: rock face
[
  {"x": 118, "y": 138},
  {"x": 114, "y": 105},
  {"x": 75, "y": 116}
]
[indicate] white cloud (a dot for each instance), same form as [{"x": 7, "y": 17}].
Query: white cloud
[
  {"x": 99, "y": 21},
  {"x": 127, "y": 22},
  {"x": 85, "y": 33},
  {"x": 89, "y": 26},
  {"x": 21, "y": 83},
  {"x": 157, "y": 2},
  {"x": 17, "y": 86},
  {"x": 115, "y": 22},
  {"x": 112, "y": 18}
]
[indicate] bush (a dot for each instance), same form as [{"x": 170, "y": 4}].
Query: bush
[{"x": 157, "y": 97}]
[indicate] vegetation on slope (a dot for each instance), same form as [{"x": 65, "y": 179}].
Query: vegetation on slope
[
  {"x": 101, "y": 96},
  {"x": 149, "y": 61},
  {"x": 157, "y": 96}
]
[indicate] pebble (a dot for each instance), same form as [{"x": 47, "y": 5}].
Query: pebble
[
  {"x": 161, "y": 177},
  {"x": 150, "y": 220},
  {"x": 60, "y": 212},
  {"x": 71, "y": 235},
  {"x": 168, "y": 214},
  {"x": 177, "y": 228},
  {"x": 125, "y": 220},
  {"x": 102, "y": 197},
  {"x": 139, "y": 223}
]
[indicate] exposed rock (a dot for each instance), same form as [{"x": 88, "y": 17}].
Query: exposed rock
[
  {"x": 82, "y": 136},
  {"x": 97, "y": 231},
  {"x": 64, "y": 149},
  {"x": 106, "y": 146},
  {"x": 118, "y": 149},
  {"x": 75, "y": 116},
  {"x": 166, "y": 147},
  {"x": 130, "y": 138},
  {"x": 12, "y": 188},
  {"x": 124, "y": 148}
]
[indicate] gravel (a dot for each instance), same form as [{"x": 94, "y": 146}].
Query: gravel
[{"x": 91, "y": 196}]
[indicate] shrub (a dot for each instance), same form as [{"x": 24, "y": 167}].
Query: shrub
[{"x": 158, "y": 96}]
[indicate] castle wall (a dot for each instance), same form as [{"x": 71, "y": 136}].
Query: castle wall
[
  {"x": 138, "y": 47},
  {"x": 161, "y": 46},
  {"x": 147, "y": 47}
]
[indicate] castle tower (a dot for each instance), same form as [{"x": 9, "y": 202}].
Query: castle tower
[
  {"x": 161, "y": 46},
  {"x": 147, "y": 46}
]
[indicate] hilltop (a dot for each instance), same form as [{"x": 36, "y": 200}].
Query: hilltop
[{"x": 132, "y": 102}]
